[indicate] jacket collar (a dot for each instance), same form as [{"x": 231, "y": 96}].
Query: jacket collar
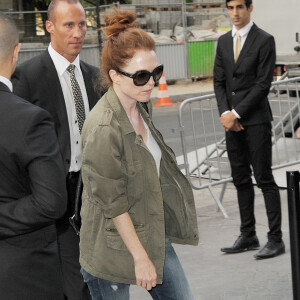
[
  {"x": 4, "y": 87},
  {"x": 60, "y": 62},
  {"x": 7, "y": 82},
  {"x": 52, "y": 76},
  {"x": 119, "y": 111},
  {"x": 248, "y": 43},
  {"x": 124, "y": 122}
]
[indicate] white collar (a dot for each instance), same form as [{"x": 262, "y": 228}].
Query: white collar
[
  {"x": 244, "y": 30},
  {"x": 60, "y": 62},
  {"x": 7, "y": 82}
]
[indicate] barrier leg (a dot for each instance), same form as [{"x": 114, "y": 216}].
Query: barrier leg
[
  {"x": 222, "y": 193},
  {"x": 218, "y": 202},
  {"x": 293, "y": 179}
]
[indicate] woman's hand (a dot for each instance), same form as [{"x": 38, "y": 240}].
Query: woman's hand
[{"x": 145, "y": 273}]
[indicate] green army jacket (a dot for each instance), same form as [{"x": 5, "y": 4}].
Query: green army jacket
[{"x": 119, "y": 175}]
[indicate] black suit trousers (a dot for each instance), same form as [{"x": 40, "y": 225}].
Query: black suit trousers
[
  {"x": 68, "y": 244},
  {"x": 253, "y": 147},
  {"x": 30, "y": 266}
]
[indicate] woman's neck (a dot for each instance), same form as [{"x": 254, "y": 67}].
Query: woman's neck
[
  {"x": 133, "y": 114},
  {"x": 128, "y": 104}
]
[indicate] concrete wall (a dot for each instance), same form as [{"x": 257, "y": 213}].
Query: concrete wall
[
  {"x": 6, "y": 4},
  {"x": 281, "y": 19}
]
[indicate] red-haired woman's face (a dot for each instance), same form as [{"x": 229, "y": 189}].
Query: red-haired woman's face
[{"x": 126, "y": 89}]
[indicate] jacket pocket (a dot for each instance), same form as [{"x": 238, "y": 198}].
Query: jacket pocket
[{"x": 114, "y": 240}]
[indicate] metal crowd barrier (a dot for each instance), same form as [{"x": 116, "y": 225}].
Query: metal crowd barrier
[{"x": 203, "y": 137}]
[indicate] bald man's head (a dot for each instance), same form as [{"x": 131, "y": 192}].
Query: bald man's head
[
  {"x": 9, "y": 36},
  {"x": 52, "y": 6}
]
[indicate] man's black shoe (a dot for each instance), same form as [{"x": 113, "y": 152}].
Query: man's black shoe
[
  {"x": 271, "y": 249},
  {"x": 243, "y": 243}
]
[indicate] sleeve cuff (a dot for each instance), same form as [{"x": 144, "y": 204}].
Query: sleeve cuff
[
  {"x": 236, "y": 114},
  {"x": 225, "y": 112},
  {"x": 117, "y": 208}
]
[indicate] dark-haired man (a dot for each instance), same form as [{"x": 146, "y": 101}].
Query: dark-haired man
[
  {"x": 243, "y": 73},
  {"x": 32, "y": 190},
  {"x": 63, "y": 85}
]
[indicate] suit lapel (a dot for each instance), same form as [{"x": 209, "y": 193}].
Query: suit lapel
[
  {"x": 229, "y": 47},
  {"x": 55, "y": 104},
  {"x": 248, "y": 43},
  {"x": 88, "y": 81},
  {"x": 54, "y": 92}
]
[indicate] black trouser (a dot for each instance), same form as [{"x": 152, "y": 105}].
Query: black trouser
[
  {"x": 30, "y": 266},
  {"x": 253, "y": 146},
  {"x": 68, "y": 243}
]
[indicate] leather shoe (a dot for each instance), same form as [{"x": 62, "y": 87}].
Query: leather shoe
[
  {"x": 243, "y": 243},
  {"x": 271, "y": 249}
]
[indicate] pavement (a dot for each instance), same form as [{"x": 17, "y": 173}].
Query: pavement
[{"x": 212, "y": 274}]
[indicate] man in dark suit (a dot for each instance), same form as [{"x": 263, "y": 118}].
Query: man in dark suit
[
  {"x": 63, "y": 85},
  {"x": 243, "y": 74},
  {"x": 32, "y": 193}
]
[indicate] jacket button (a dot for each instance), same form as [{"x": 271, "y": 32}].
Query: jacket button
[
  {"x": 233, "y": 93},
  {"x": 67, "y": 161}
]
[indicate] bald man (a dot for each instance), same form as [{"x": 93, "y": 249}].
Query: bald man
[
  {"x": 46, "y": 81},
  {"x": 32, "y": 193}
]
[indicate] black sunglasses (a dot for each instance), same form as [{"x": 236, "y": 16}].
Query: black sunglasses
[{"x": 140, "y": 78}]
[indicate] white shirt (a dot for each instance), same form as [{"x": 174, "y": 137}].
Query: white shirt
[
  {"x": 153, "y": 148},
  {"x": 243, "y": 33},
  {"x": 7, "y": 82},
  {"x": 61, "y": 64}
]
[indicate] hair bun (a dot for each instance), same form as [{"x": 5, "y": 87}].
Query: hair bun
[{"x": 118, "y": 21}]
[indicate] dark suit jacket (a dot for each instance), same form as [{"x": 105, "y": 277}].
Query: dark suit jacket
[
  {"x": 36, "y": 80},
  {"x": 245, "y": 85},
  {"x": 32, "y": 197}
]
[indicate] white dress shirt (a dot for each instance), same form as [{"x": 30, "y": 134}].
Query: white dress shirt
[
  {"x": 61, "y": 64},
  {"x": 7, "y": 82},
  {"x": 153, "y": 147},
  {"x": 243, "y": 33}
]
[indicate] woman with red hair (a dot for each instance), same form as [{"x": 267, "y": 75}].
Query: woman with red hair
[{"x": 136, "y": 201}]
